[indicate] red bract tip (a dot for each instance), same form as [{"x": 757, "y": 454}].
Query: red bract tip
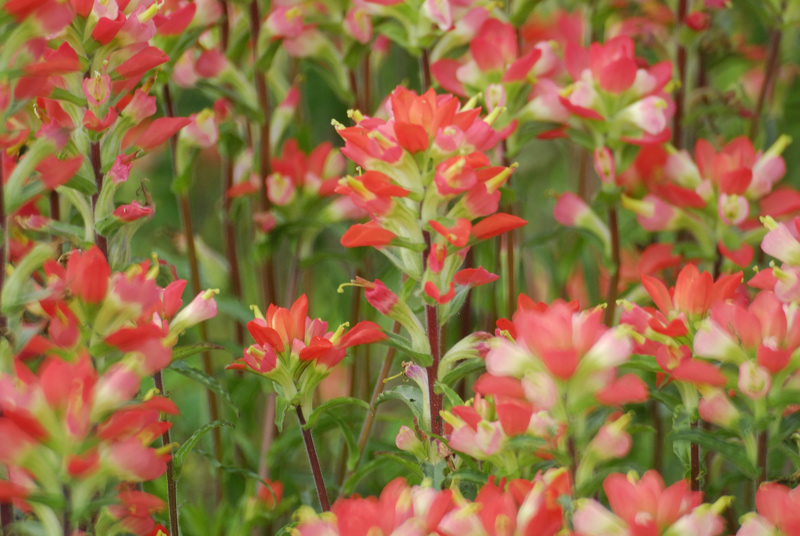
[
  {"x": 474, "y": 277},
  {"x": 367, "y": 234},
  {"x": 495, "y": 225}
]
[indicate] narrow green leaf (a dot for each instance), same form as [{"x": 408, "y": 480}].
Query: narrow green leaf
[
  {"x": 454, "y": 305},
  {"x": 407, "y": 394},
  {"x": 341, "y": 401},
  {"x": 404, "y": 345},
  {"x": 452, "y": 397},
  {"x": 464, "y": 369},
  {"x": 265, "y": 60},
  {"x": 350, "y": 440},
  {"x": 411, "y": 465},
  {"x": 476, "y": 477},
  {"x": 363, "y": 471},
  {"x": 734, "y": 453},
  {"x": 209, "y": 382},
  {"x": 182, "y": 352},
  {"x": 179, "y": 455},
  {"x": 281, "y": 405},
  {"x": 19, "y": 289}
]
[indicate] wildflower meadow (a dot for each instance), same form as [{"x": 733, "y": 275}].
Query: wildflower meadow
[{"x": 400, "y": 267}]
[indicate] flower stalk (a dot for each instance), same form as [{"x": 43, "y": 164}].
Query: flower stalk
[
  {"x": 172, "y": 485},
  {"x": 194, "y": 276},
  {"x": 322, "y": 493}
]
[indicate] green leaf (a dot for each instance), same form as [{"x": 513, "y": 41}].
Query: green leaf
[
  {"x": 408, "y": 395},
  {"x": 452, "y": 397},
  {"x": 353, "y": 454},
  {"x": 581, "y": 138},
  {"x": 18, "y": 289},
  {"x": 464, "y": 369},
  {"x": 341, "y": 401},
  {"x": 454, "y": 305},
  {"x": 395, "y": 32},
  {"x": 182, "y": 352},
  {"x": 404, "y": 345},
  {"x": 281, "y": 405},
  {"x": 411, "y": 465},
  {"x": 81, "y": 183},
  {"x": 365, "y": 469},
  {"x": 643, "y": 362},
  {"x": 733, "y": 453},
  {"x": 208, "y": 381},
  {"x": 467, "y": 475},
  {"x": 179, "y": 455},
  {"x": 73, "y": 233},
  {"x": 265, "y": 60}
]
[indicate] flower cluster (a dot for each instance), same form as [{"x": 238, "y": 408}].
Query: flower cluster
[
  {"x": 718, "y": 196},
  {"x": 426, "y": 179},
  {"x": 297, "y": 352},
  {"x": 515, "y": 507},
  {"x": 69, "y": 410}
]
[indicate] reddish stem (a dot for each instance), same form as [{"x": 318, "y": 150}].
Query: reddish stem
[
  {"x": 172, "y": 486},
  {"x": 680, "y": 94},
  {"x": 97, "y": 165},
  {"x": 770, "y": 71},
  {"x": 230, "y": 242},
  {"x": 432, "y": 320},
  {"x": 194, "y": 272},
  {"x": 762, "y": 458},
  {"x": 425, "y": 68},
  {"x": 265, "y": 165},
  {"x": 314, "y": 461}
]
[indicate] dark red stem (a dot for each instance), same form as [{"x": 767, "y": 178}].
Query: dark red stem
[
  {"x": 194, "y": 273},
  {"x": 314, "y": 461},
  {"x": 762, "y": 458},
  {"x": 172, "y": 486},
  {"x": 268, "y": 269},
  {"x": 425, "y": 68},
  {"x": 770, "y": 71},
  {"x": 680, "y": 94},
  {"x": 97, "y": 165},
  {"x": 230, "y": 242},
  {"x": 432, "y": 319}
]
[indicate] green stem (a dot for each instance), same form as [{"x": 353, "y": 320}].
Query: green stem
[{"x": 616, "y": 258}]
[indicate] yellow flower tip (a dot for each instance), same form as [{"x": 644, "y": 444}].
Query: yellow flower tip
[
  {"x": 208, "y": 294},
  {"x": 769, "y": 222},
  {"x": 633, "y": 477},
  {"x": 337, "y": 125},
  {"x": 355, "y": 115},
  {"x": 257, "y": 312},
  {"x": 167, "y": 448},
  {"x": 390, "y": 378}
]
